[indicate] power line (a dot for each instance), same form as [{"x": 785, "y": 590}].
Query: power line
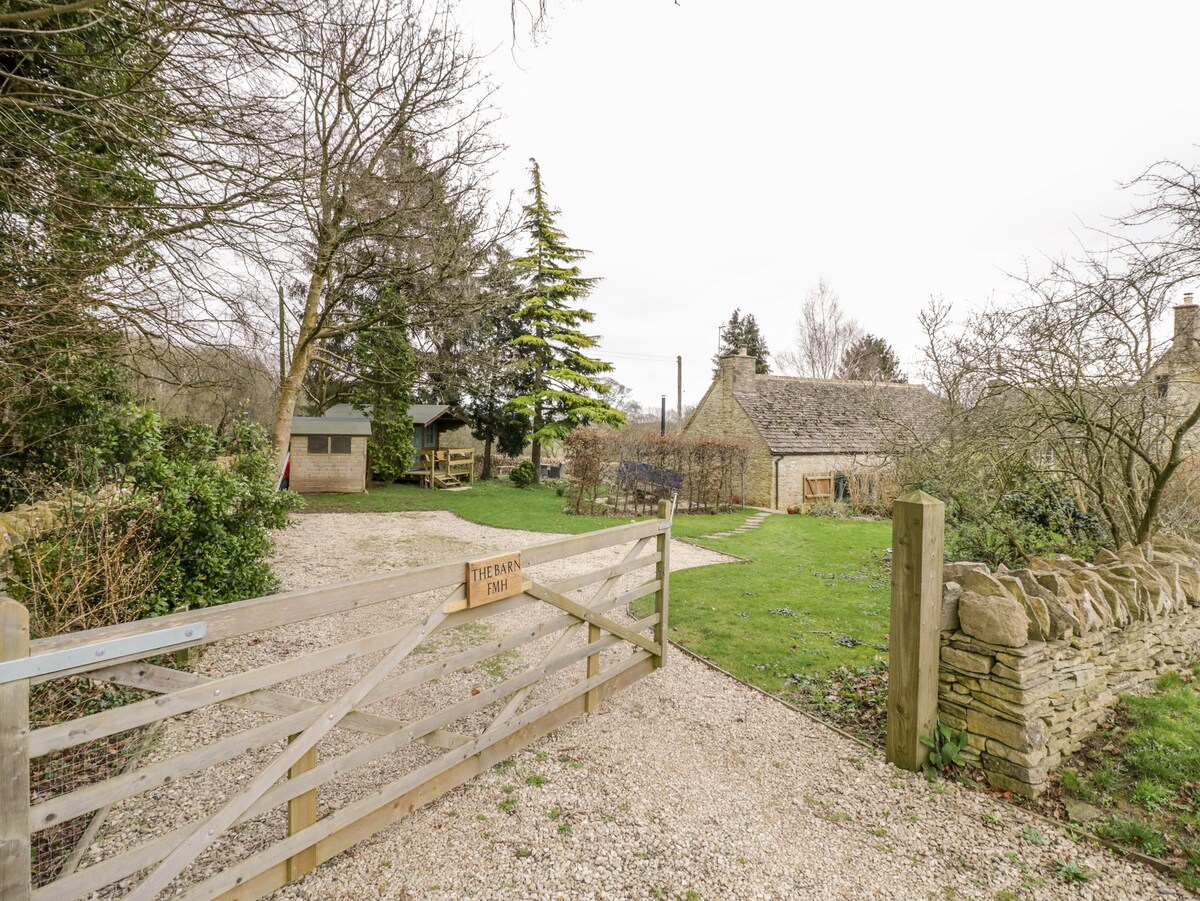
[{"x": 613, "y": 353}]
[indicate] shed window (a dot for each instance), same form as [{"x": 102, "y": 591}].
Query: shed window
[
  {"x": 339, "y": 444},
  {"x": 318, "y": 444},
  {"x": 430, "y": 436}
]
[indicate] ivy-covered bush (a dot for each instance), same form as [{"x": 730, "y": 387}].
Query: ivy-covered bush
[{"x": 211, "y": 521}]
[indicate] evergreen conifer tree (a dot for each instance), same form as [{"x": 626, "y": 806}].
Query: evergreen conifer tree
[
  {"x": 564, "y": 389},
  {"x": 742, "y": 331},
  {"x": 871, "y": 359}
]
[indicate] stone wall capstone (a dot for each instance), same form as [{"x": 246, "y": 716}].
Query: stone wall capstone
[{"x": 1032, "y": 658}]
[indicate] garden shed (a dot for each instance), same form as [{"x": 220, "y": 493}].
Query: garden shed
[
  {"x": 329, "y": 453},
  {"x": 812, "y": 441}
]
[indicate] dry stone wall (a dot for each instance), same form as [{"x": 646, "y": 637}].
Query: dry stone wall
[{"x": 1032, "y": 658}]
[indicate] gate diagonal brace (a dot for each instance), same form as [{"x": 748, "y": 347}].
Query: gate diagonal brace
[
  {"x": 599, "y": 597},
  {"x": 326, "y": 720},
  {"x": 163, "y": 680},
  {"x": 552, "y": 597}
]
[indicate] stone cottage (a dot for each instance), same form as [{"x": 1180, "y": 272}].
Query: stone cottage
[
  {"x": 1175, "y": 379},
  {"x": 811, "y": 440},
  {"x": 1176, "y": 376}
]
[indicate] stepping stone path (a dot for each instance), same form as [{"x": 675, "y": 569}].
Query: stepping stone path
[{"x": 749, "y": 525}]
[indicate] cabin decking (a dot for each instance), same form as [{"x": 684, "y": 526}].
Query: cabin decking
[{"x": 447, "y": 467}]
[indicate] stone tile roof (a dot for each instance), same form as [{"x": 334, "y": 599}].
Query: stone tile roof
[{"x": 819, "y": 416}]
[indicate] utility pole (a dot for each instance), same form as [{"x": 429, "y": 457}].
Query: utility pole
[
  {"x": 679, "y": 390},
  {"x": 662, "y": 423}
]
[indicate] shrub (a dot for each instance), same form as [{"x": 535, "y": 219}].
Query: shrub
[
  {"x": 831, "y": 510},
  {"x": 96, "y": 569},
  {"x": 177, "y": 526},
  {"x": 211, "y": 525},
  {"x": 522, "y": 474},
  {"x": 587, "y": 450},
  {"x": 1035, "y": 520}
]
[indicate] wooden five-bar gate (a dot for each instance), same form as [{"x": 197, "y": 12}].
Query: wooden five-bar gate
[{"x": 411, "y": 705}]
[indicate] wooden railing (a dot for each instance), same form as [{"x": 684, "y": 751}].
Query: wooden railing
[
  {"x": 445, "y": 465},
  {"x": 223, "y": 844}
]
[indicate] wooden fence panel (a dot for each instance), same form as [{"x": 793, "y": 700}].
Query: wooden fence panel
[{"x": 14, "y": 757}]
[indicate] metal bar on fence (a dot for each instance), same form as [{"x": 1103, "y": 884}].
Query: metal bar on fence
[{"x": 111, "y": 651}]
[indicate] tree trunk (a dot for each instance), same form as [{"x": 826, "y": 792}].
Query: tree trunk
[
  {"x": 487, "y": 459},
  {"x": 535, "y": 452},
  {"x": 293, "y": 381}
]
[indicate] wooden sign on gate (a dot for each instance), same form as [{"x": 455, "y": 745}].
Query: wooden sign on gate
[{"x": 494, "y": 578}]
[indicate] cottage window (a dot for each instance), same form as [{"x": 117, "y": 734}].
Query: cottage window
[
  {"x": 318, "y": 444},
  {"x": 430, "y": 435},
  {"x": 339, "y": 444},
  {"x": 1162, "y": 385}
]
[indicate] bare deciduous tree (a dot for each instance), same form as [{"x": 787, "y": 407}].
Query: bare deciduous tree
[
  {"x": 1064, "y": 387},
  {"x": 823, "y": 334},
  {"x": 132, "y": 136},
  {"x": 391, "y": 133}
]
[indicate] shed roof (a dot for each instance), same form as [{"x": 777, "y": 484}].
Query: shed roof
[
  {"x": 340, "y": 419},
  {"x": 425, "y": 414},
  {"x": 820, "y": 416}
]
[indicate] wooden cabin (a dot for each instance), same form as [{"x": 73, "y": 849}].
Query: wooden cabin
[
  {"x": 437, "y": 462},
  {"x": 329, "y": 453}
]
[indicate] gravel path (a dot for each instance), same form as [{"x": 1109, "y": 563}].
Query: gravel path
[{"x": 688, "y": 785}]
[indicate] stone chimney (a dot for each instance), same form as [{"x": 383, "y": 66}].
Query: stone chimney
[
  {"x": 737, "y": 370},
  {"x": 1187, "y": 326}
]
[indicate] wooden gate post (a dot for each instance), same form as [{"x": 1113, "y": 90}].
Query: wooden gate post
[
  {"x": 302, "y": 812},
  {"x": 14, "y": 756},
  {"x": 662, "y": 572},
  {"x": 918, "y": 522}
]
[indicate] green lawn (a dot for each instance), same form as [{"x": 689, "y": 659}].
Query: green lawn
[
  {"x": 813, "y": 596},
  {"x": 501, "y": 504}
]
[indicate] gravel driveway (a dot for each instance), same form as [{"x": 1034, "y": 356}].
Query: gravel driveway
[{"x": 686, "y": 785}]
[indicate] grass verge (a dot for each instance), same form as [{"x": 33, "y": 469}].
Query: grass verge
[{"x": 1137, "y": 780}]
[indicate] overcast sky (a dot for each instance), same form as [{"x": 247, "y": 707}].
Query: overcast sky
[{"x": 714, "y": 154}]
